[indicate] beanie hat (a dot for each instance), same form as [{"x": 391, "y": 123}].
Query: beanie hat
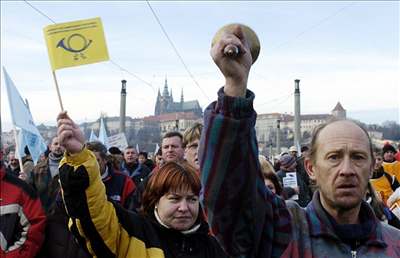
[
  {"x": 388, "y": 147},
  {"x": 287, "y": 160}
]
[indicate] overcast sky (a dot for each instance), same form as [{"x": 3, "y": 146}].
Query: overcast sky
[{"x": 341, "y": 51}]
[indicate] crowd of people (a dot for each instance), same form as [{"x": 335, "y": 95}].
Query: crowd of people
[{"x": 206, "y": 193}]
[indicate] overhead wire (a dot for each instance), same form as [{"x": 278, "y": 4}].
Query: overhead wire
[
  {"x": 285, "y": 97},
  {"x": 176, "y": 50},
  {"x": 134, "y": 75},
  {"x": 37, "y": 10},
  {"x": 180, "y": 57},
  {"x": 314, "y": 26},
  {"x": 279, "y": 103},
  {"x": 111, "y": 61}
]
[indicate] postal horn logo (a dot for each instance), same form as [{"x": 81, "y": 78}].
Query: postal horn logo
[{"x": 75, "y": 44}]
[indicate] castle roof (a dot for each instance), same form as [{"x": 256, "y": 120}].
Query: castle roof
[
  {"x": 172, "y": 117},
  {"x": 193, "y": 104},
  {"x": 289, "y": 118},
  {"x": 315, "y": 116},
  {"x": 338, "y": 107}
]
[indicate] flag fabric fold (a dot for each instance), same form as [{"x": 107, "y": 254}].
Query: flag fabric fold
[
  {"x": 21, "y": 117},
  {"x": 103, "y": 138},
  {"x": 156, "y": 149},
  {"x": 93, "y": 136},
  {"x": 34, "y": 142}
]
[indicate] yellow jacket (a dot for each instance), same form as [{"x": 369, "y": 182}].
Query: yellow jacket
[{"x": 111, "y": 231}]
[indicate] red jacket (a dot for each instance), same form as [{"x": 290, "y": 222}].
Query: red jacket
[
  {"x": 22, "y": 218},
  {"x": 397, "y": 156}
]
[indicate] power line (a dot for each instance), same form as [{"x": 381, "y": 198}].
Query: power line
[
  {"x": 37, "y": 10},
  {"x": 134, "y": 75},
  {"x": 176, "y": 50},
  {"x": 314, "y": 26},
  {"x": 286, "y": 97},
  {"x": 113, "y": 62}
]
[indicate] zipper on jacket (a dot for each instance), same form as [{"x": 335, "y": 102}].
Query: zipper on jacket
[{"x": 353, "y": 254}]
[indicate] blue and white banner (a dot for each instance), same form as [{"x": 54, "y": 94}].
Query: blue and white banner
[{"x": 21, "y": 117}]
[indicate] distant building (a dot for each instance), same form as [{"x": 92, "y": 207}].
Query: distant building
[
  {"x": 375, "y": 135},
  {"x": 266, "y": 123},
  {"x": 165, "y": 103},
  {"x": 174, "y": 121},
  {"x": 8, "y": 138},
  {"x": 47, "y": 132},
  {"x": 112, "y": 124},
  {"x": 339, "y": 112}
]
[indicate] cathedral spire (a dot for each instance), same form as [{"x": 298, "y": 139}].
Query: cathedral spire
[{"x": 165, "y": 92}]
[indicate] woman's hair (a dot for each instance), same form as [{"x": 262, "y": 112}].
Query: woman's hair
[
  {"x": 192, "y": 133},
  {"x": 144, "y": 154},
  {"x": 274, "y": 179},
  {"x": 171, "y": 177},
  {"x": 268, "y": 172},
  {"x": 265, "y": 165}
]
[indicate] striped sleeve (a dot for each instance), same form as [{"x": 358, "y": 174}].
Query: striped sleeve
[{"x": 246, "y": 218}]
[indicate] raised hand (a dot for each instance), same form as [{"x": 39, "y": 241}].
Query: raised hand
[
  {"x": 235, "y": 67},
  {"x": 69, "y": 134}
]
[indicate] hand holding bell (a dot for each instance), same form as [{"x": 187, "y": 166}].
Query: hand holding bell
[{"x": 233, "y": 51}]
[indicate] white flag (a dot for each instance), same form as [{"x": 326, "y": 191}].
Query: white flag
[
  {"x": 22, "y": 118},
  {"x": 93, "y": 137},
  {"x": 103, "y": 138}
]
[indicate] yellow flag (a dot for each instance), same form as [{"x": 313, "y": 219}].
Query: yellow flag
[{"x": 76, "y": 43}]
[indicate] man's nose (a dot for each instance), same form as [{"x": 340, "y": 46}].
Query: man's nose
[{"x": 347, "y": 167}]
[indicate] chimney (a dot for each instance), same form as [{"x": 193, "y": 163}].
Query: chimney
[
  {"x": 122, "y": 111},
  {"x": 278, "y": 136},
  {"x": 297, "y": 118}
]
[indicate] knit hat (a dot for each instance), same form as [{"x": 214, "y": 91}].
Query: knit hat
[
  {"x": 388, "y": 147},
  {"x": 287, "y": 160}
]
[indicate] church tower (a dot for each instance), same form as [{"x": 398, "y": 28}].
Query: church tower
[
  {"x": 165, "y": 98},
  {"x": 157, "y": 109},
  {"x": 339, "y": 111},
  {"x": 165, "y": 102}
]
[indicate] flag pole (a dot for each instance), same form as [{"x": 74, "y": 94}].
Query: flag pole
[
  {"x": 18, "y": 152},
  {"x": 58, "y": 90}
]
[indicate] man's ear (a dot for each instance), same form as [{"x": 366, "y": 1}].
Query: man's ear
[{"x": 309, "y": 166}]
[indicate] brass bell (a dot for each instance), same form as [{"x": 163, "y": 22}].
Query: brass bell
[{"x": 232, "y": 50}]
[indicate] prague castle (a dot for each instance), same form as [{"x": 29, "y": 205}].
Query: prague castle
[{"x": 165, "y": 104}]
